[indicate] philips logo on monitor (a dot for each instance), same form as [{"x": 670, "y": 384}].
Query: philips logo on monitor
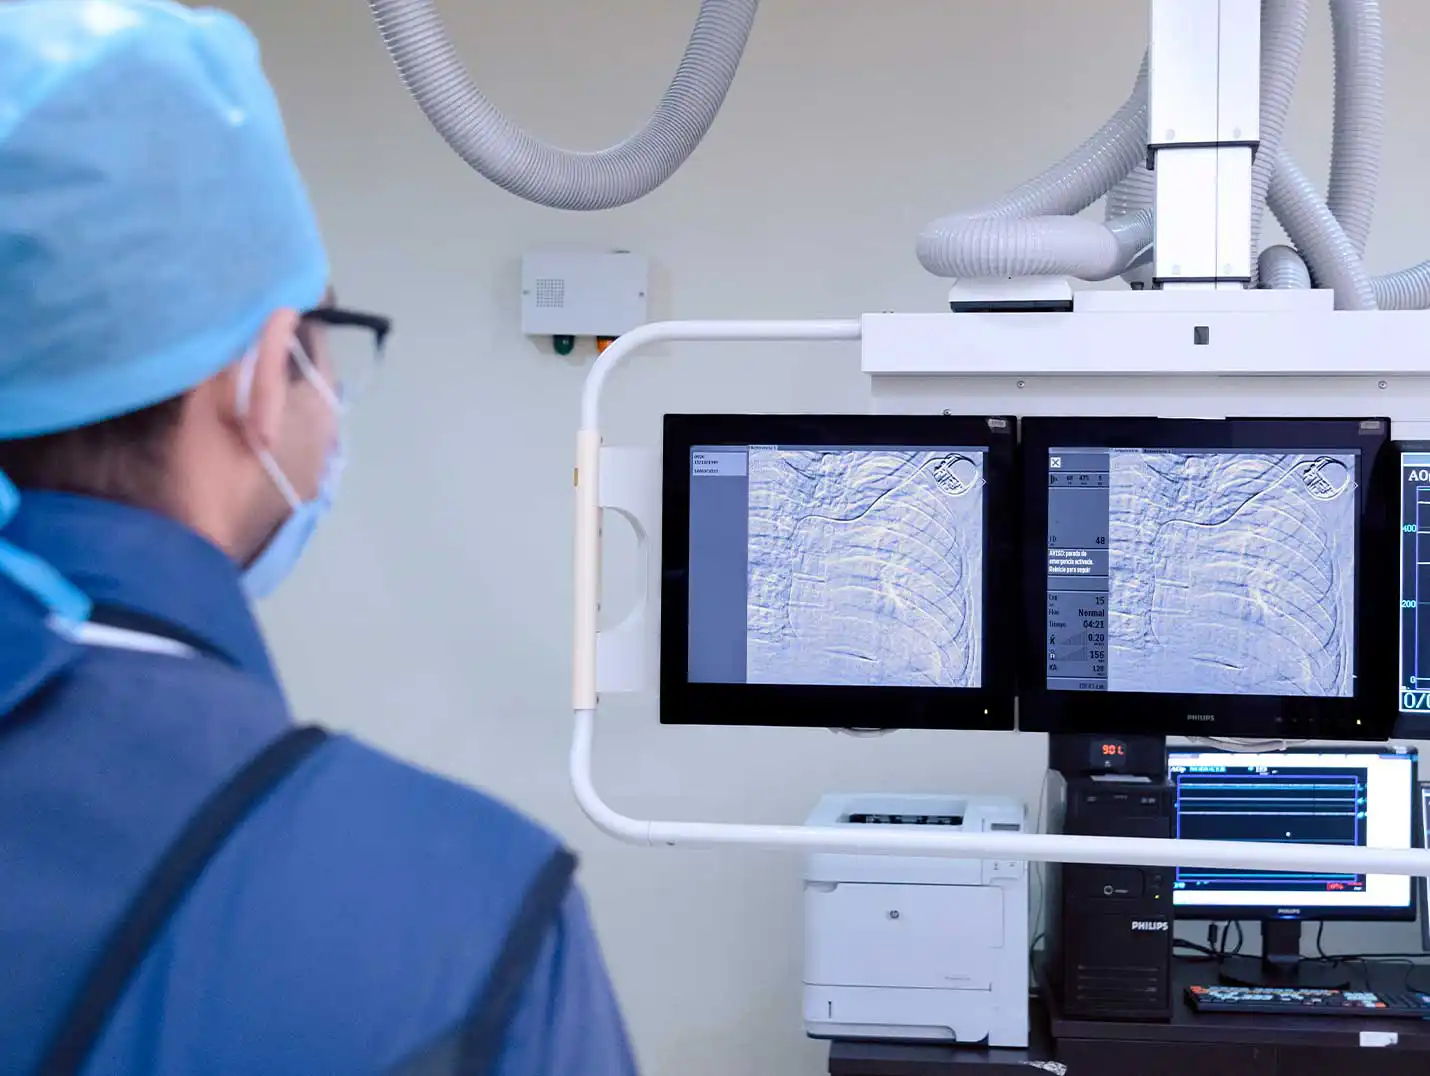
[
  {"x": 1151, "y": 926},
  {"x": 1201, "y": 717}
]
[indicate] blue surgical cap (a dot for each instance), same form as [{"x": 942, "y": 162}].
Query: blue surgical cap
[{"x": 151, "y": 215}]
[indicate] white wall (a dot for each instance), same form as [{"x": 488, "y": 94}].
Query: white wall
[{"x": 434, "y": 615}]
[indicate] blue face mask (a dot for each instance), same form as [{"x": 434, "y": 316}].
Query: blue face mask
[
  {"x": 283, "y": 551},
  {"x": 276, "y": 561}
]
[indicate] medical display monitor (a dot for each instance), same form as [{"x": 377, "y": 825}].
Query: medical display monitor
[
  {"x": 1424, "y": 883},
  {"x": 1205, "y": 577},
  {"x": 1334, "y": 797},
  {"x": 1414, "y": 565},
  {"x": 844, "y": 571}
]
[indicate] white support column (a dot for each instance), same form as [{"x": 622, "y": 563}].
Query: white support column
[{"x": 1204, "y": 121}]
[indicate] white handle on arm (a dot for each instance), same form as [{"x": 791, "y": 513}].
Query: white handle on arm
[
  {"x": 885, "y": 840},
  {"x": 588, "y": 459}
]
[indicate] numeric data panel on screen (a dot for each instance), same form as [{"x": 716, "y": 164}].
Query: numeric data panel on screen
[
  {"x": 1195, "y": 572},
  {"x": 848, "y": 566},
  {"x": 1414, "y": 583}
]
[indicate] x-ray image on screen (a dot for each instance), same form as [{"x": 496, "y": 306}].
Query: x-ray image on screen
[
  {"x": 1202, "y": 572},
  {"x": 837, "y": 566},
  {"x": 865, "y": 567}
]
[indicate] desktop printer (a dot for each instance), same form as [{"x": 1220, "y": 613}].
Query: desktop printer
[{"x": 917, "y": 947}]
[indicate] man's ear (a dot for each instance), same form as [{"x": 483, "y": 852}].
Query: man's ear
[{"x": 256, "y": 387}]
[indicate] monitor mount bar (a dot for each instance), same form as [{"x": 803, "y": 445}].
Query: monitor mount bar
[{"x": 862, "y": 839}]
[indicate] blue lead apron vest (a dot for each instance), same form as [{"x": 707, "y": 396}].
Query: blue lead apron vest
[{"x": 472, "y": 1050}]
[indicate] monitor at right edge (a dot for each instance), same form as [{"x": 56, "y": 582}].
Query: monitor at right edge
[
  {"x": 1354, "y": 797},
  {"x": 1425, "y": 882},
  {"x": 1207, "y": 577},
  {"x": 1414, "y": 579}
]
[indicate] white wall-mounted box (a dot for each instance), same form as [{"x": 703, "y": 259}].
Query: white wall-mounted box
[{"x": 584, "y": 294}]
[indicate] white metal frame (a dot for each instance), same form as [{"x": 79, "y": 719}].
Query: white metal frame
[{"x": 1141, "y": 348}]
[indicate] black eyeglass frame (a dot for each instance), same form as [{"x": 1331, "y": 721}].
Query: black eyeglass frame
[{"x": 339, "y": 317}]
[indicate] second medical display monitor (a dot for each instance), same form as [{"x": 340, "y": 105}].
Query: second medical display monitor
[{"x": 1204, "y": 577}]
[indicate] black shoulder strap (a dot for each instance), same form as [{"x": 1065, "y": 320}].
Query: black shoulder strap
[
  {"x": 163, "y": 891},
  {"x": 485, "y": 1034},
  {"x": 475, "y": 1047}
]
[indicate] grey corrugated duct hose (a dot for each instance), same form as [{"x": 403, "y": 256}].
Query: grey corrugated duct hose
[
  {"x": 1137, "y": 193},
  {"x": 1408, "y": 289},
  {"x": 1359, "y": 116},
  {"x": 1032, "y": 232},
  {"x": 1319, "y": 237},
  {"x": 1283, "y": 40},
  {"x": 546, "y": 174},
  {"x": 1281, "y": 267}
]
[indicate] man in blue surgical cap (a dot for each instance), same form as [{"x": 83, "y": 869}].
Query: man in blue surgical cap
[{"x": 191, "y": 881}]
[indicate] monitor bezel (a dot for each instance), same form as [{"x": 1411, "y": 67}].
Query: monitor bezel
[
  {"x": 990, "y": 707},
  {"x": 1422, "y": 886},
  {"x": 1368, "y": 715},
  {"x": 1369, "y": 914}
]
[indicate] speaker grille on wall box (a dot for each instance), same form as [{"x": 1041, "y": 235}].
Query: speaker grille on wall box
[{"x": 551, "y": 293}]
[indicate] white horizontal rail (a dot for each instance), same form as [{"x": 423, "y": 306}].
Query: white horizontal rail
[
  {"x": 871, "y": 840},
  {"x": 1040, "y": 847}
]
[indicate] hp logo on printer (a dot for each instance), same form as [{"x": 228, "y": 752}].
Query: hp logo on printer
[{"x": 1151, "y": 926}]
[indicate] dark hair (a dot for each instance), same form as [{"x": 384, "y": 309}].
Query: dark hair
[{"x": 123, "y": 459}]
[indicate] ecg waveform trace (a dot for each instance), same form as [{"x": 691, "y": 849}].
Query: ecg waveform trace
[{"x": 1298, "y": 807}]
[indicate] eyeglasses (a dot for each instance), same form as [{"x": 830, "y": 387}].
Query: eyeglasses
[{"x": 347, "y": 342}]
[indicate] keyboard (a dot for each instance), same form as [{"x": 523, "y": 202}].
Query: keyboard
[{"x": 1295, "y": 1001}]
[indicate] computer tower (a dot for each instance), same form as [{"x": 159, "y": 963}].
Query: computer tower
[{"x": 1110, "y": 928}]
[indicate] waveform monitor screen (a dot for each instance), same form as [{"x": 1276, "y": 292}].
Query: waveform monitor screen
[
  {"x": 1415, "y": 587},
  {"x": 1424, "y": 883},
  {"x": 1363, "y": 799},
  {"x": 1202, "y": 572},
  {"x": 845, "y": 562}
]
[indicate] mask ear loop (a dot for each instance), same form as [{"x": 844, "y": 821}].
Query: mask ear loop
[
  {"x": 246, "y": 373},
  {"x": 334, "y": 398},
  {"x": 316, "y": 379}
]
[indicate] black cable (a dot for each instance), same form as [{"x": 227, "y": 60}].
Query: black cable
[
  {"x": 1042, "y": 935},
  {"x": 1412, "y": 963},
  {"x": 1221, "y": 950},
  {"x": 1206, "y": 950}
]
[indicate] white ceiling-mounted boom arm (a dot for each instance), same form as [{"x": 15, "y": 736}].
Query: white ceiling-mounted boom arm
[
  {"x": 1035, "y": 230},
  {"x": 1204, "y": 122}
]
